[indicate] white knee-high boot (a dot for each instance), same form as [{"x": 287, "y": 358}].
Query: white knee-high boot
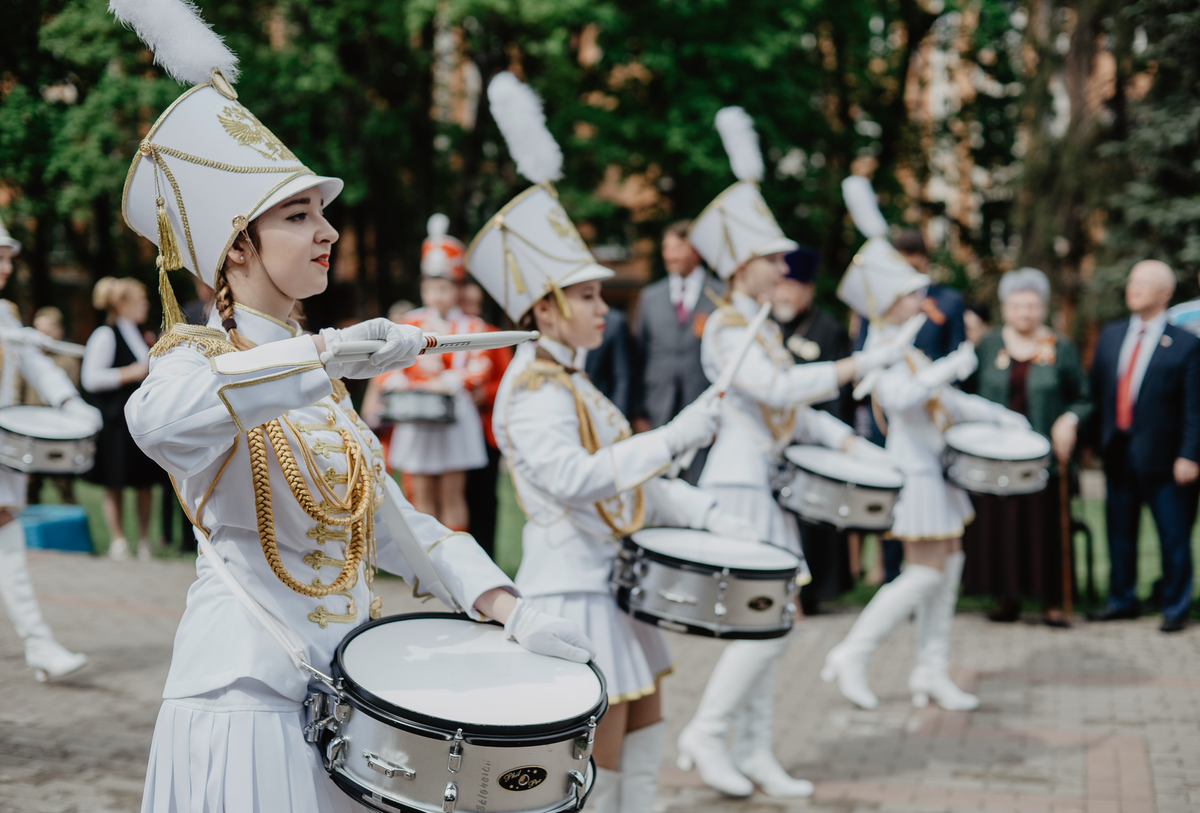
[
  {"x": 752, "y": 737},
  {"x": 606, "y": 792},
  {"x": 702, "y": 742},
  {"x": 641, "y": 755},
  {"x": 895, "y": 601},
  {"x": 47, "y": 657},
  {"x": 935, "y": 616}
]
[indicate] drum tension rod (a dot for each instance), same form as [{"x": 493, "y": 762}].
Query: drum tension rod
[
  {"x": 583, "y": 743},
  {"x": 456, "y": 752},
  {"x": 449, "y": 797}
]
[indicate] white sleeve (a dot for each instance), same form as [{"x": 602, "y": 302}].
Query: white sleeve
[
  {"x": 190, "y": 409},
  {"x": 967, "y": 407},
  {"x": 97, "y": 373},
  {"x": 899, "y": 390},
  {"x": 50, "y": 380},
  {"x": 675, "y": 503},
  {"x": 819, "y": 427},
  {"x": 543, "y": 431},
  {"x": 759, "y": 377},
  {"x": 463, "y": 566}
]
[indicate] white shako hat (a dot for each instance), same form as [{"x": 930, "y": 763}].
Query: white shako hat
[
  {"x": 529, "y": 248},
  {"x": 7, "y": 239},
  {"x": 208, "y": 166},
  {"x": 737, "y": 226},
  {"x": 878, "y": 275}
]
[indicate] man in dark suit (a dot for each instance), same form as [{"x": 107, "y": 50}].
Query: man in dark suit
[
  {"x": 670, "y": 321},
  {"x": 811, "y": 334},
  {"x": 610, "y": 366},
  {"x": 1146, "y": 377}
]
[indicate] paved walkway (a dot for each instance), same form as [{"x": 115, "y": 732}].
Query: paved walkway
[{"x": 1098, "y": 719}]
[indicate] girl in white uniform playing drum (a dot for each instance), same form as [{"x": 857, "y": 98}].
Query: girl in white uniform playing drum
[
  {"x": 582, "y": 479},
  {"x": 917, "y": 404},
  {"x": 280, "y": 477},
  {"x": 21, "y": 356},
  {"x": 763, "y": 413}
]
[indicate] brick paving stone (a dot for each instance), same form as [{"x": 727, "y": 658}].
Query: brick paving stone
[{"x": 1097, "y": 719}]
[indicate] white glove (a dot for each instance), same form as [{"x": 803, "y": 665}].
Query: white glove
[
  {"x": 403, "y": 344},
  {"x": 734, "y": 527},
  {"x": 696, "y": 426},
  {"x": 865, "y": 451},
  {"x": 546, "y": 634},
  {"x": 888, "y": 354},
  {"x": 1013, "y": 420},
  {"x": 79, "y": 408},
  {"x": 956, "y": 366},
  {"x": 968, "y": 362}
]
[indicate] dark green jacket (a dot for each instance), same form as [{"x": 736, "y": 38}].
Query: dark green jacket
[{"x": 1052, "y": 389}]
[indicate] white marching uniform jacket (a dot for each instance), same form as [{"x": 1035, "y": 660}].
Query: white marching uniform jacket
[
  {"x": 580, "y": 502},
  {"x": 29, "y": 362},
  {"x": 196, "y": 414},
  {"x": 916, "y": 416},
  {"x": 762, "y": 414}
]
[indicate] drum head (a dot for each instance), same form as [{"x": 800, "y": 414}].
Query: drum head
[
  {"x": 837, "y": 465},
  {"x": 997, "y": 442},
  {"x": 45, "y": 422},
  {"x": 706, "y": 548},
  {"x": 463, "y": 673}
]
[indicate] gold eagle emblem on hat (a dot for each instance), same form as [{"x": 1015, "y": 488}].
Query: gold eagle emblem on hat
[{"x": 248, "y": 131}]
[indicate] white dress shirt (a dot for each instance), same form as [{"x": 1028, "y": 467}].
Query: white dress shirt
[
  {"x": 1154, "y": 331},
  {"x": 97, "y": 373},
  {"x": 686, "y": 289}
]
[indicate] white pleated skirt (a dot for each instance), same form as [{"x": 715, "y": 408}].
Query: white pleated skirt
[
  {"x": 423, "y": 448},
  {"x": 931, "y": 508},
  {"x": 632, "y": 654},
  {"x": 237, "y": 761}
]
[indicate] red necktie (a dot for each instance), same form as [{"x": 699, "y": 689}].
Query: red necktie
[
  {"x": 681, "y": 311},
  {"x": 1124, "y": 387}
]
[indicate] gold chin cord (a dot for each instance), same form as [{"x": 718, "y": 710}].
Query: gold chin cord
[{"x": 356, "y": 510}]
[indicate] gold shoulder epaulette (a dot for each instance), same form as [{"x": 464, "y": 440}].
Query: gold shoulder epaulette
[
  {"x": 728, "y": 313},
  {"x": 209, "y": 341},
  {"x": 538, "y": 372}
]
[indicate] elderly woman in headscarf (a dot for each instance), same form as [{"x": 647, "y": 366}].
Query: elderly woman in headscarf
[{"x": 1015, "y": 546}]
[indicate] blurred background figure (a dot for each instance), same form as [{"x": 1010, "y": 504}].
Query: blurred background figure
[
  {"x": 1146, "y": 381},
  {"x": 810, "y": 334},
  {"x": 49, "y": 320},
  {"x": 977, "y": 321},
  {"x": 436, "y": 457},
  {"x": 196, "y": 309},
  {"x": 399, "y": 310},
  {"x": 667, "y": 328},
  {"x": 610, "y": 366},
  {"x": 114, "y": 364},
  {"x": 481, "y": 483},
  {"x": 1014, "y": 547}
]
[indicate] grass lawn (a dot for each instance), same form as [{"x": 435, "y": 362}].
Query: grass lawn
[{"x": 511, "y": 521}]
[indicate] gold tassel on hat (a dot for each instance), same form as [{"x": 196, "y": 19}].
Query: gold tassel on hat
[
  {"x": 172, "y": 314},
  {"x": 560, "y": 299},
  {"x": 511, "y": 261},
  {"x": 168, "y": 250}
]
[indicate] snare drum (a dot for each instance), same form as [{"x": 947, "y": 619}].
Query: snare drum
[
  {"x": 990, "y": 459},
  {"x": 703, "y": 584},
  {"x": 45, "y": 440},
  {"x": 418, "y": 406},
  {"x": 827, "y": 485},
  {"x": 435, "y": 712}
]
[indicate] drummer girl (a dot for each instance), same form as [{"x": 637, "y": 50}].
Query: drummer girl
[
  {"x": 274, "y": 467},
  {"x": 917, "y": 404},
  {"x": 583, "y": 480},
  {"x": 46, "y": 656},
  {"x": 436, "y": 458},
  {"x": 763, "y": 413}
]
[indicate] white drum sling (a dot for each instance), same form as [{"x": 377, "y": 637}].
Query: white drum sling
[{"x": 991, "y": 459}]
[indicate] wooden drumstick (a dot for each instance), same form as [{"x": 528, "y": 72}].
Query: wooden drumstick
[
  {"x": 434, "y": 343},
  {"x": 685, "y": 459}
]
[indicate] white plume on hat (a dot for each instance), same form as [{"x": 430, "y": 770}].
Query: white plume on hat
[
  {"x": 863, "y": 204},
  {"x": 741, "y": 143},
  {"x": 519, "y": 115},
  {"x": 183, "y": 44},
  {"x": 437, "y": 225}
]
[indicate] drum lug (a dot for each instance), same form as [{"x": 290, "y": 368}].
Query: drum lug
[
  {"x": 456, "y": 751},
  {"x": 388, "y": 769},
  {"x": 341, "y": 712},
  {"x": 449, "y": 798},
  {"x": 316, "y": 720},
  {"x": 577, "y": 783},
  {"x": 583, "y": 743},
  {"x": 335, "y": 750},
  {"x": 719, "y": 609}
]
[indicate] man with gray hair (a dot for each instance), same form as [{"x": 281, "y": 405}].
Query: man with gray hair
[{"x": 1146, "y": 382}]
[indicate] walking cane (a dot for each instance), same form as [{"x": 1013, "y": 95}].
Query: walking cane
[{"x": 1068, "y": 549}]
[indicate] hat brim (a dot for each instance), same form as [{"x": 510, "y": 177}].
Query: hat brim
[
  {"x": 590, "y": 272},
  {"x": 330, "y": 188},
  {"x": 15, "y": 245},
  {"x": 776, "y": 245}
]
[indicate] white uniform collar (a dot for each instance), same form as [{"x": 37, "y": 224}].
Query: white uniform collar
[
  {"x": 257, "y": 326},
  {"x": 563, "y": 354},
  {"x": 744, "y": 305}
]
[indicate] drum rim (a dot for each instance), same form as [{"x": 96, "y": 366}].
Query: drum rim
[
  {"x": 949, "y": 437},
  {"x": 702, "y": 567},
  {"x": 815, "y": 473},
  {"x": 427, "y": 725},
  {"x": 21, "y": 434}
]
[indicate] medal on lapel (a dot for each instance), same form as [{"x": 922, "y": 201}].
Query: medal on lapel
[
  {"x": 1003, "y": 360},
  {"x": 804, "y": 348}
]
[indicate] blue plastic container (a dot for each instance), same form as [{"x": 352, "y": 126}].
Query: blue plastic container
[{"x": 57, "y": 527}]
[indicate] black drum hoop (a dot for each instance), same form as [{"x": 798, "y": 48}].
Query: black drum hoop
[
  {"x": 425, "y": 725},
  {"x": 706, "y": 569},
  {"x": 696, "y": 629}
]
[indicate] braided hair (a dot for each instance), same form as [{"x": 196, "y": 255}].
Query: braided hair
[{"x": 247, "y": 239}]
